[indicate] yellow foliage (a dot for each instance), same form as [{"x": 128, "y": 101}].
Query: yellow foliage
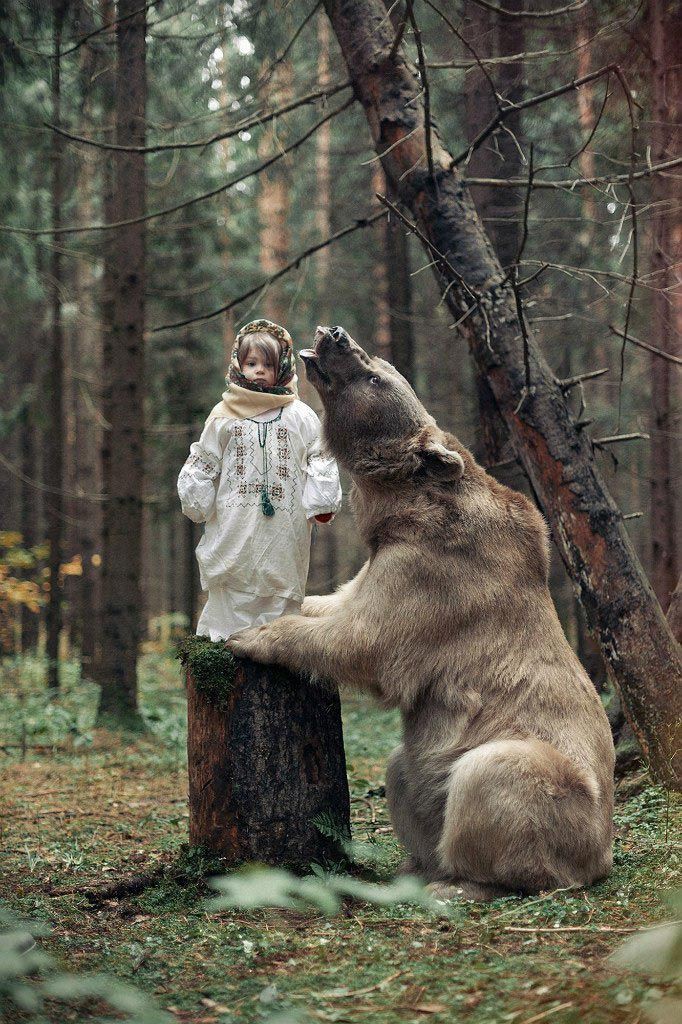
[
  {"x": 72, "y": 568},
  {"x": 10, "y": 539}
]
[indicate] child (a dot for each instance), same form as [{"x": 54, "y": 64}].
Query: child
[{"x": 257, "y": 477}]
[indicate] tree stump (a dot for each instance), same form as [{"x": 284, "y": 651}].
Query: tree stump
[{"x": 263, "y": 766}]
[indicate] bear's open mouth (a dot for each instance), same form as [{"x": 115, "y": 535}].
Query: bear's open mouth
[{"x": 311, "y": 356}]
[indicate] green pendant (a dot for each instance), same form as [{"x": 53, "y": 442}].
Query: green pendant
[{"x": 265, "y": 503}]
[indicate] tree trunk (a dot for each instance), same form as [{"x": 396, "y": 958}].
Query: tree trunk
[
  {"x": 674, "y": 615},
  {"x": 87, "y": 367},
  {"x": 666, "y": 393},
  {"x": 326, "y": 538},
  {"x": 54, "y": 501},
  {"x": 643, "y": 658},
  {"x": 124, "y": 385},
  {"x": 274, "y": 202},
  {"x": 30, "y": 620},
  {"x": 483, "y": 37},
  {"x": 262, "y": 770},
  {"x": 505, "y": 207}
]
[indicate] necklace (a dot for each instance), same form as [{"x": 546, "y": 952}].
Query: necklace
[{"x": 267, "y": 508}]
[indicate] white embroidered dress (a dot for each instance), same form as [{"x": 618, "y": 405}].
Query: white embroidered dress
[{"x": 255, "y": 567}]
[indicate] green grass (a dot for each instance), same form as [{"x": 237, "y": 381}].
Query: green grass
[{"x": 85, "y": 805}]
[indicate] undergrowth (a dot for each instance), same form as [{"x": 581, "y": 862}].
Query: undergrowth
[{"x": 80, "y": 813}]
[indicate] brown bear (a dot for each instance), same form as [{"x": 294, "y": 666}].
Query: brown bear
[{"x": 504, "y": 779}]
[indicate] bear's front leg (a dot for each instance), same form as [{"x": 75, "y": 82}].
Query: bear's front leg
[{"x": 331, "y": 648}]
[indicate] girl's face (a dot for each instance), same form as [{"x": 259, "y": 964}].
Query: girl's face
[{"x": 258, "y": 367}]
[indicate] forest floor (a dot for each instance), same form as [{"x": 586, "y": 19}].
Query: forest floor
[{"x": 82, "y": 805}]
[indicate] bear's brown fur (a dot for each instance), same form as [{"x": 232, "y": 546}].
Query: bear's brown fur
[{"x": 504, "y": 779}]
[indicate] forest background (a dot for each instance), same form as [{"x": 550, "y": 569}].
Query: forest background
[
  {"x": 224, "y": 137},
  {"x": 222, "y": 142}
]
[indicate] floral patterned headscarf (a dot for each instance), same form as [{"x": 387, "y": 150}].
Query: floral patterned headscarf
[{"x": 287, "y": 366}]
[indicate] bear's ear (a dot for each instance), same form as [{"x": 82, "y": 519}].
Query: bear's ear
[{"x": 437, "y": 460}]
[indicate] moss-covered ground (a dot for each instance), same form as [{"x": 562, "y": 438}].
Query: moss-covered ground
[{"x": 80, "y": 806}]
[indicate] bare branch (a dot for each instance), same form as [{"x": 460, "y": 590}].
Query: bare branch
[
  {"x": 569, "y": 9},
  {"x": 646, "y": 346},
  {"x": 361, "y": 223},
  {"x": 254, "y": 122},
  {"x": 465, "y": 42},
  {"x": 267, "y": 75},
  {"x": 601, "y": 442},
  {"x": 532, "y": 101},
  {"x": 570, "y": 382},
  {"x": 424, "y": 84},
  {"x": 79, "y": 229},
  {"x": 570, "y": 183}
]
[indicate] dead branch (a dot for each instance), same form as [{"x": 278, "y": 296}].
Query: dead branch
[
  {"x": 424, "y": 82},
  {"x": 570, "y": 382},
  {"x": 646, "y": 346},
  {"x": 570, "y": 183},
  {"x": 601, "y": 442},
  {"x": 532, "y": 101},
  {"x": 363, "y": 222},
  {"x": 81, "y": 228},
  {"x": 257, "y": 121},
  {"x": 569, "y": 9}
]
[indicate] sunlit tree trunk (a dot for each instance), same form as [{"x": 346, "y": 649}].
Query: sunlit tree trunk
[
  {"x": 666, "y": 389},
  {"x": 382, "y": 310},
  {"x": 274, "y": 202},
  {"x": 124, "y": 384},
  {"x": 30, "y": 493}
]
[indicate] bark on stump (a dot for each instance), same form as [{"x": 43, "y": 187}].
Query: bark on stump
[{"x": 264, "y": 767}]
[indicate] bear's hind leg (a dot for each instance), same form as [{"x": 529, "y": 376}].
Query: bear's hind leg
[{"x": 520, "y": 817}]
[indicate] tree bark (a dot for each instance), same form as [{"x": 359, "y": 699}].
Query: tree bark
[
  {"x": 87, "y": 366},
  {"x": 666, "y": 395},
  {"x": 54, "y": 501},
  {"x": 273, "y": 204},
  {"x": 124, "y": 385},
  {"x": 326, "y": 540},
  {"x": 674, "y": 614},
  {"x": 643, "y": 658},
  {"x": 484, "y": 35},
  {"x": 264, "y": 768}
]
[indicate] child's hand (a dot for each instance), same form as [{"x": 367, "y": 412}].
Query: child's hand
[{"x": 324, "y": 517}]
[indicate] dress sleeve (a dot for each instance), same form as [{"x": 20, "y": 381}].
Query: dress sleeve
[
  {"x": 197, "y": 483},
  {"x": 322, "y": 489}
]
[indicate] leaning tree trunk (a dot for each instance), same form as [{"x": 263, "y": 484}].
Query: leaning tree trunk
[
  {"x": 643, "y": 658},
  {"x": 265, "y": 764}
]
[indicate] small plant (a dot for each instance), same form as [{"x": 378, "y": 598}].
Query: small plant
[
  {"x": 212, "y": 667},
  {"x": 29, "y": 977},
  {"x": 273, "y": 887}
]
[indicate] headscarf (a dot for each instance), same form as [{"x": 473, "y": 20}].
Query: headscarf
[{"x": 245, "y": 398}]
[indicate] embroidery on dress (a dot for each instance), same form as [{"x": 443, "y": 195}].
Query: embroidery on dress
[
  {"x": 243, "y": 469},
  {"x": 200, "y": 459}
]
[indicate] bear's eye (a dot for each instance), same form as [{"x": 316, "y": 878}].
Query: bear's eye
[{"x": 375, "y": 380}]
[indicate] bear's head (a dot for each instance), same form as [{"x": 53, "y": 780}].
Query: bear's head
[{"x": 374, "y": 423}]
